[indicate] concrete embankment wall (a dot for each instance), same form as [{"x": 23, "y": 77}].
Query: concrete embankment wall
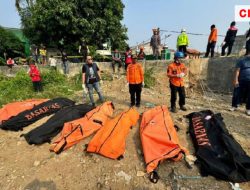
[{"x": 216, "y": 74}]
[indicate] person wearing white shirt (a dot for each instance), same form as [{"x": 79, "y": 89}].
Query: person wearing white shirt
[{"x": 52, "y": 62}]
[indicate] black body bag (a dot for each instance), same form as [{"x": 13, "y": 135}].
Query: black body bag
[
  {"x": 28, "y": 117},
  {"x": 45, "y": 132},
  {"x": 218, "y": 153}
]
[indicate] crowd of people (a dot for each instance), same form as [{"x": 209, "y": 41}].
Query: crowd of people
[
  {"x": 176, "y": 71},
  {"x": 39, "y": 53},
  {"x": 183, "y": 41}
]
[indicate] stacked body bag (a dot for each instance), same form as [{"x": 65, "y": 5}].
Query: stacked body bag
[{"x": 217, "y": 152}]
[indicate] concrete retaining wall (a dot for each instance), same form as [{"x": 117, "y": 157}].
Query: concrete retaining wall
[
  {"x": 75, "y": 68},
  {"x": 220, "y": 74},
  {"x": 216, "y": 74}
]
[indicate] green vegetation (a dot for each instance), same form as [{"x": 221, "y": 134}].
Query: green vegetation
[
  {"x": 107, "y": 76},
  {"x": 149, "y": 78},
  {"x": 54, "y": 85},
  {"x": 10, "y": 44},
  {"x": 2, "y": 61},
  {"x": 52, "y": 21}
]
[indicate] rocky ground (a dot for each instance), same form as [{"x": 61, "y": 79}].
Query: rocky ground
[{"x": 33, "y": 167}]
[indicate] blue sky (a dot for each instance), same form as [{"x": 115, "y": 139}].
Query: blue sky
[
  {"x": 140, "y": 16},
  {"x": 8, "y": 14},
  {"x": 196, "y": 16}
]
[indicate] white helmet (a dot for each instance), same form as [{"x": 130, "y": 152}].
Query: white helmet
[{"x": 183, "y": 30}]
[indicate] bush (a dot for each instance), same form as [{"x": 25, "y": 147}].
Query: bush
[
  {"x": 10, "y": 44},
  {"x": 149, "y": 79},
  {"x": 20, "y": 87},
  {"x": 52, "y": 77},
  {"x": 2, "y": 61},
  {"x": 15, "y": 88},
  {"x": 76, "y": 81}
]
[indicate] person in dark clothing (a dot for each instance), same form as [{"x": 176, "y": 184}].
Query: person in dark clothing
[
  {"x": 212, "y": 39},
  {"x": 229, "y": 39},
  {"x": 242, "y": 79},
  {"x": 34, "y": 52},
  {"x": 91, "y": 78},
  {"x": 248, "y": 42},
  {"x": 236, "y": 98},
  {"x": 83, "y": 49},
  {"x": 128, "y": 59},
  {"x": 65, "y": 63},
  {"x": 155, "y": 43}
]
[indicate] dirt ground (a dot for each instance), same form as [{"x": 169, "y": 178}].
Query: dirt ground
[{"x": 33, "y": 167}]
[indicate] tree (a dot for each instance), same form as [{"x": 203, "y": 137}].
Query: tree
[
  {"x": 10, "y": 44},
  {"x": 24, "y": 4},
  {"x": 50, "y": 21}
]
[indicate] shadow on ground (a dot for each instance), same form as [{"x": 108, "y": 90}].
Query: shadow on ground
[{"x": 41, "y": 185}]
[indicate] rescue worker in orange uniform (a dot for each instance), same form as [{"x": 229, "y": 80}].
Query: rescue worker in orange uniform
[
  {"x": 135, "y": 79},
  {"x": 176, "y": 71},
  {"x": 212, "y": 39}
]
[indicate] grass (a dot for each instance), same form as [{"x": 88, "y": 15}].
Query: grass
[
  {"x": 107, "y": 76},
  {"x": 149, "y": 78},
  {"x": 54, "y": 84}
]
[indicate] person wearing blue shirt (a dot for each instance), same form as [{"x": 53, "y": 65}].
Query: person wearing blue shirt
[{"x": 242, "y": 79}]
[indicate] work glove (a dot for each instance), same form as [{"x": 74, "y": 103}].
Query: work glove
[
  {"x": 143, "y": 84},
  {"x": 101, "y": 82},
  {"x": 127, "y": 84},
  {"x": 182, "y": 75},
  {"x": 178, "y": 75},
  {"x": 84, "y": 88},
  {"x": 222, "y": 44}
]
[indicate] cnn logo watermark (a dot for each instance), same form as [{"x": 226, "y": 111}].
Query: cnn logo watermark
[{"x": 242, "y": 13}]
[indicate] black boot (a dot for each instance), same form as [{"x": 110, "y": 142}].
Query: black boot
[
  {"x": 183, "y": 108},
  {"x": 173, "y": 109}
]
